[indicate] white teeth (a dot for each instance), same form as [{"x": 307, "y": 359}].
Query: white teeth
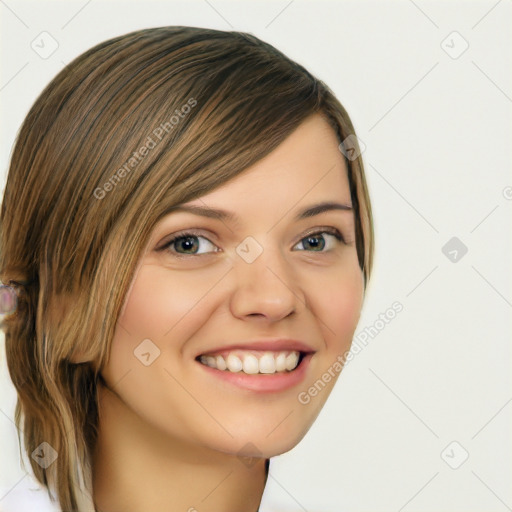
[
  {"x": 251, "y": 364},
  {"x": 292, "y": 360},
  {"x": 220, "y": 363},
  {"x": 267, "y": 363},
  {"x": 233, "y": 363},
  {"x": 281, "y": 362}
]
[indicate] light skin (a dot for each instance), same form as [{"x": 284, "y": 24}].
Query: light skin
[{"x": 172, "y": 436}]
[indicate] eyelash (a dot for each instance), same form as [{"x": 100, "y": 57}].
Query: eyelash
[{"x": 192, "y": 233}]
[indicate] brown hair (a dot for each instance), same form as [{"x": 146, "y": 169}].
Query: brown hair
[{"x": 82, "y": 196}]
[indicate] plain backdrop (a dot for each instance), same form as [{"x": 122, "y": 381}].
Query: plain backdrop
[{"x": 420, "y": 419}]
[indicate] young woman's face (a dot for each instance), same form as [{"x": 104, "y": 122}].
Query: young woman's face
[{"x": 254, "y": 290}]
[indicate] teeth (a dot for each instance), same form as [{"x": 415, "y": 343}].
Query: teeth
[
  {"x": 220, "y": 363},
  {"x": 292, "y": 360},
  {"x": 251, "y": 364},
  {"x": 233, "y": 363},
  {"x": 268, "y": 363},
  {"x": 210, "y": 361},
  {"x": 281, "y": 362}
]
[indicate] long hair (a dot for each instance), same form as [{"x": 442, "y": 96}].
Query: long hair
[{"x": 131, "y": 128}]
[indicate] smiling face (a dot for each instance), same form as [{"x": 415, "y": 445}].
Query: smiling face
[{"x": 229, "y": 289}]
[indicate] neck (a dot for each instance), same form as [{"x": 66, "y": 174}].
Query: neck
[{"x": 137, "y": 468}]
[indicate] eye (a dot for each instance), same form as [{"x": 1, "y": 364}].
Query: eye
[
  {"x": 317, "y": 242},
  {"x": 189, "y": 242}
]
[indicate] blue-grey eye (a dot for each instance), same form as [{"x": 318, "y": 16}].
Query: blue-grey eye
[
  {"x": 189, "y": 243},
  {"x": 317, "y": 242}
]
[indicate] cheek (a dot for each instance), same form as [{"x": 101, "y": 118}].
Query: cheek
[
  {"x": 337, "y": 307},
  {"x": 165, "y": 307},
  {"x": 339, "y": 304},
  {"x": 162, "y": 302}
]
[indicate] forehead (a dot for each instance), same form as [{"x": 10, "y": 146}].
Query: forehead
[{"x": 307, "y": 167}]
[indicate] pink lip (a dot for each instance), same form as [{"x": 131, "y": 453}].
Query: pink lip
[
  {"x": 263, "y": 383},
  {"x": 271, "y": 345}
]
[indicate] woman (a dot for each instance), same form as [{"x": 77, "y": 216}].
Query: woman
[{"x": 187, "y": 230}]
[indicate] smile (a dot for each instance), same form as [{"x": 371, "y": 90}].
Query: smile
[
  {"x": 257, "y": 371},
  {"x": 253, "y": 362}
]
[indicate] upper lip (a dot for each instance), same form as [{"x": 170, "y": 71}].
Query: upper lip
[{"x": 278, "y": 344}]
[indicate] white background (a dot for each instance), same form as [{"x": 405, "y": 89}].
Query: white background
[{"x": 437, "y": 131}]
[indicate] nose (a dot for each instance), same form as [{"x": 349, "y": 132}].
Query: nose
[{"x": 266, "y": 287}]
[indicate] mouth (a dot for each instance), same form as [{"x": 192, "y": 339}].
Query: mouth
[
  {"x": 252, "y": 362},
  {"x": 257, "y": 370}
]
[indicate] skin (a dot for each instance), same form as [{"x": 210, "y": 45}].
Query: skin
[{"x": 171, "y": 435}]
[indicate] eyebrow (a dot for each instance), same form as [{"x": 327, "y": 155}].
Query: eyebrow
[{"x": 223, "y": 215}]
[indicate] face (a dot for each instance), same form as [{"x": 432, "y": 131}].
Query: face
[{"x": 267, "y": 289}]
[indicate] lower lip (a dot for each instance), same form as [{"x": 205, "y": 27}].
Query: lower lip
[{"x": 263, "y": 383}]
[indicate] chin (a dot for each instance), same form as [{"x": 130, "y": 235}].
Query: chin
[{"x": 266, "y": 436}]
